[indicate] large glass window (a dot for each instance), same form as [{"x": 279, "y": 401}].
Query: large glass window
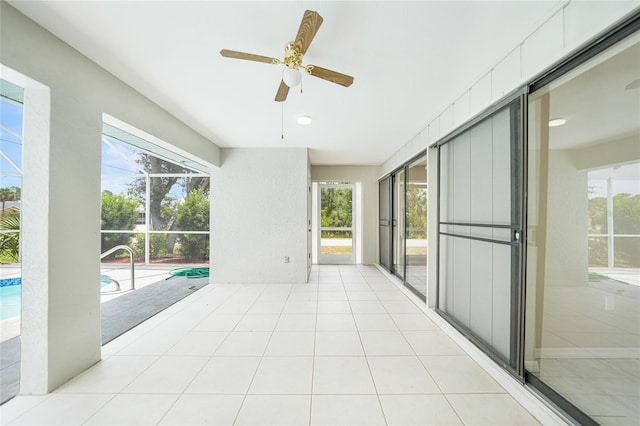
[
  {"x": 10, "y": 171},
  {"x": 11, "y": 146},
  {"x": 583, "y": 255},
  {"x": 157, "y": 205}
]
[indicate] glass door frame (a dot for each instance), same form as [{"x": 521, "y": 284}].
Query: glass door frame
[
  {"x": 393, "y": 220},
  {"x": 396, "y": 250},
  {"x": 336, "y": 259},
  {"x": 382, "y": 223},
  {"x": 515, "y": 364}
]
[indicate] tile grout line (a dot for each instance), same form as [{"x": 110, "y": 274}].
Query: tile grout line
[
  {"x": 244, "y": 399},
  {"x": 120, "y": 392},
  {"x": 366, "y": 358},
  {"x": 181, "y": 394},
  {"x": 313, "y": 358}
]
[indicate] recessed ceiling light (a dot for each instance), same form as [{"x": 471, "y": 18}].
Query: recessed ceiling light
[
  {"x": 304, "y": 120},
  {"x": 555, "y": 122}
]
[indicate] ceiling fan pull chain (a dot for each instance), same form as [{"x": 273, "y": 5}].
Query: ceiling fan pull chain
[
  {"x": 282, "y": 120},
  {"x": 301, "y": 83}
]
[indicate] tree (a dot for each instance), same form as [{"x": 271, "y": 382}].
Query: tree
[
  {"x": 118, "y": 213},
  {"x": 8, "y": 194},
  {"x": 193, "y": 215},
  {"x": 626, "y": 221},
  {"x": 10, "y": 241},
  {"x": 336, "y": 211},
  {"x": 597, "y": 215},
  {"x": 416, "y": 212},
  {"x": 161, "y": 204}
]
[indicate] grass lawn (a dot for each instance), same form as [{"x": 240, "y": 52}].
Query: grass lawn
[
  {"x": 411, "y": 251},
  {"x": 335, "y": 250}
]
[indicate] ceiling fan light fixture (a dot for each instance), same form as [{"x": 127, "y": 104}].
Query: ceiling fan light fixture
[
  {"x": 304, "y": 120},
  {"x": 291, "y": 77},
  {"x": 556, "y": 122}
]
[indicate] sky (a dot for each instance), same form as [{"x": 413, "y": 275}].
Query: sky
[
  {"x": 10, "y": 143},
  {"x": 114, "y": 161}
]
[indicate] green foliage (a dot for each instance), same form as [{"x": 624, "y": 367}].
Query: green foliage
[
  {"x": 193, "y": 215},
  {"x": 11, "y": 193},
  {"x": 10, "y": 242},
  {"x": 137, "y": 245},
  {"x": 118, "y": 213},
  {"x": 598, "y": 215},
  {"x": 162, "y": 204},
  {"x": 598, "y": 251},
  {"x": 336, "y": 211},
  {"x": 626, "y": 214},
  {"x": 416, "y": 213},
  {"x": 161, "y": 245},
  {"x": 626, "y": 221},
  {"x": 8, "y": 194}
]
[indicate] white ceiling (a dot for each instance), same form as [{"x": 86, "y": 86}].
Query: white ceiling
[{"x": 409, "y": 59}]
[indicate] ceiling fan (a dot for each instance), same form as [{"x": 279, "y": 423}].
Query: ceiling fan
[{"x": 293, "y": 53}]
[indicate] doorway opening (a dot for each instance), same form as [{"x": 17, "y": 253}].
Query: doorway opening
[{"x": 335, "y": 230}]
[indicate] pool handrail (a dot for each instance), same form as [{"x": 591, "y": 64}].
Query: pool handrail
[{"x": 128, "y": 249}]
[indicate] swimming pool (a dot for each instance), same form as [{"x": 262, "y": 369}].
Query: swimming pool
[{"x": 11, "y": 295}]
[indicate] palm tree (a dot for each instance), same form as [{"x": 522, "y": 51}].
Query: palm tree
[
  {"x": 6, "y": 194},
  {"x": 10, "y": 241}
]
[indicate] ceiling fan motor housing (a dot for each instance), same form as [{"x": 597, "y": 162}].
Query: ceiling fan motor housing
[{"x": 292, "y": 58}]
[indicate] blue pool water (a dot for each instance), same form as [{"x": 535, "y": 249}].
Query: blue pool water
[
  {"x": 11, "y": 296},
  {"x": 10, "y": 301}
]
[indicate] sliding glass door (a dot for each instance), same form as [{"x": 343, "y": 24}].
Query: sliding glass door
[
  {"x": 583, "y": 257},
  {"x": 480, "y": 224},
  {"x": 403, "y": 206}
]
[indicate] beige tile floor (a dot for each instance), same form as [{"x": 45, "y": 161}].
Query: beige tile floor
[{"x": 348, "y": 348}]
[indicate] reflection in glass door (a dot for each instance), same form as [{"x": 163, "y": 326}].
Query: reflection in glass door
[
  {"x": 416, "y": 220},
  {"x": 582, "y": 339},
  {"x": 336, "y": 223}
]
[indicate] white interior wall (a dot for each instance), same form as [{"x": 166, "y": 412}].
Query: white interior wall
[
  {"x": 259, "y": 216},
  {"x": 368, "y": 177},
  {"x": 567, "y": 28},
  {"x": 61, "y": 193}
]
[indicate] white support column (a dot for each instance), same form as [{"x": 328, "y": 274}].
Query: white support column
[
  {"x": 35, "y": 245},
  {"x": 60, "y": 330}
]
